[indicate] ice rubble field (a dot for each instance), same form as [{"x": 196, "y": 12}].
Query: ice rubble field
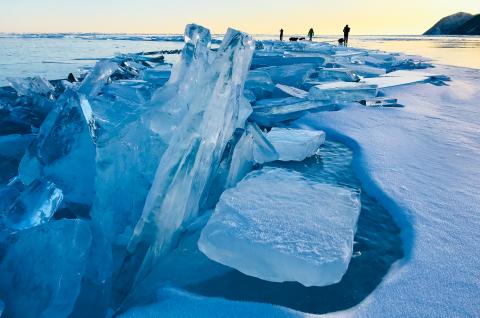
[{"x": 102, "y": 175}]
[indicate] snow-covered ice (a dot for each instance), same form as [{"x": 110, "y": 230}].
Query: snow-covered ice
[
  {"x": 264, "y": 231},
  {"x": 397, "y": 78},
  {"x": 295, "y": 144},
  {"x": 422, "y": 162}
]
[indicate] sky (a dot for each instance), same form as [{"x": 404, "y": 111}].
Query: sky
[{"x": 253, "y": 16}]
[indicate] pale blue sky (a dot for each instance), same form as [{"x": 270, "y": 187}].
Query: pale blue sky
[{"x": 254, "y": 16}]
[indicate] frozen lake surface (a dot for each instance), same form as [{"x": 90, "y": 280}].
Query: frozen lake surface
[
  {"x": 54, "y": 56},
  {"x": 124, "y": 170}
]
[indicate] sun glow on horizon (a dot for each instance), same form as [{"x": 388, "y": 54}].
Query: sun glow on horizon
[{"x": 256, "y": 17}]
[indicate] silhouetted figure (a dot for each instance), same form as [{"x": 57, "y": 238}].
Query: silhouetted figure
[
  {"x": 346, "y": 32},
  {"x": 71, "y": 78},
  {"x": 311, "y": 34},
  {"x": 281, "y": 35},
  {"x": 341, "y": 41}
]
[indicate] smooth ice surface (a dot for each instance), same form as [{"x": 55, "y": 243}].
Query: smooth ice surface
[
  {"x": 41, "y": 271},
  {"x": 295, "y": 144},
  {"x": 34, "y": 206},
  {"x": 266, "y": 232},
  {"x": 422, "y": 162}
]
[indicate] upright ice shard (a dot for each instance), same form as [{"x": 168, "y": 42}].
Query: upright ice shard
[
  {"x": 189, "y": 119},
  {"x": 189, "y": 164},
  {"x": 133, "y": 139},
  {"x": 253, "y": 147},
  {"x": 97, "y": 78},
  {"x": 279, "y": 226},
  {"x": 63, "y": 151},
  {"x": 41, "y": 271}
]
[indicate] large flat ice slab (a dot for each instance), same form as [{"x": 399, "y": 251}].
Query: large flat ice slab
[
  {"x": 295, "y": 144},
  {"x": 278, "y": 226}
]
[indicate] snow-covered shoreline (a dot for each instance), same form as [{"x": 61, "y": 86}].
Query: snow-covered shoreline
[{"x": 421, "y": 162}]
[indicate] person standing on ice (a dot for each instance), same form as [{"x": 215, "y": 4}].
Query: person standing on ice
[
  {"x": 311, "y": 34},
  {"x": 281, "y": 35},
  {"x": 346, "y": 32}
]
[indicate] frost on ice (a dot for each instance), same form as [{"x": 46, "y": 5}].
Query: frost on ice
[{"x": 264, "y": 231}]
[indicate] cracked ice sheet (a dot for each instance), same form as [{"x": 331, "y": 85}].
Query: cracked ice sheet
[
  {"x": 267, "y": 232},
  {"x": 422, "y": 162}
]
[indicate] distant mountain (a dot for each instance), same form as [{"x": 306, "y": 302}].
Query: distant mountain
[
  {"x": 471, "y": 27},
  {"x": 449, "y": 25}
]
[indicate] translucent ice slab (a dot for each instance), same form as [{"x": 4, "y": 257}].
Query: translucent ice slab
[
  {"x": 269, "y": 112},
  {"x": 343, "y": 91},
  {"x": 335, "y": 74},
  {"x": 363, "y": 69},
  {"x": 263, "y": 229},
  {"x": 292, "y": 75},
  {"x": 260, "y": 84},
  {"x": 295, "y": 144},
  {"x": 34, "y": 206},
  {"x": 32, "y": 86}
]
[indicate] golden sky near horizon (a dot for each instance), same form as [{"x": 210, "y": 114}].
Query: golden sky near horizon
[{"x": 256, "y": 17}]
